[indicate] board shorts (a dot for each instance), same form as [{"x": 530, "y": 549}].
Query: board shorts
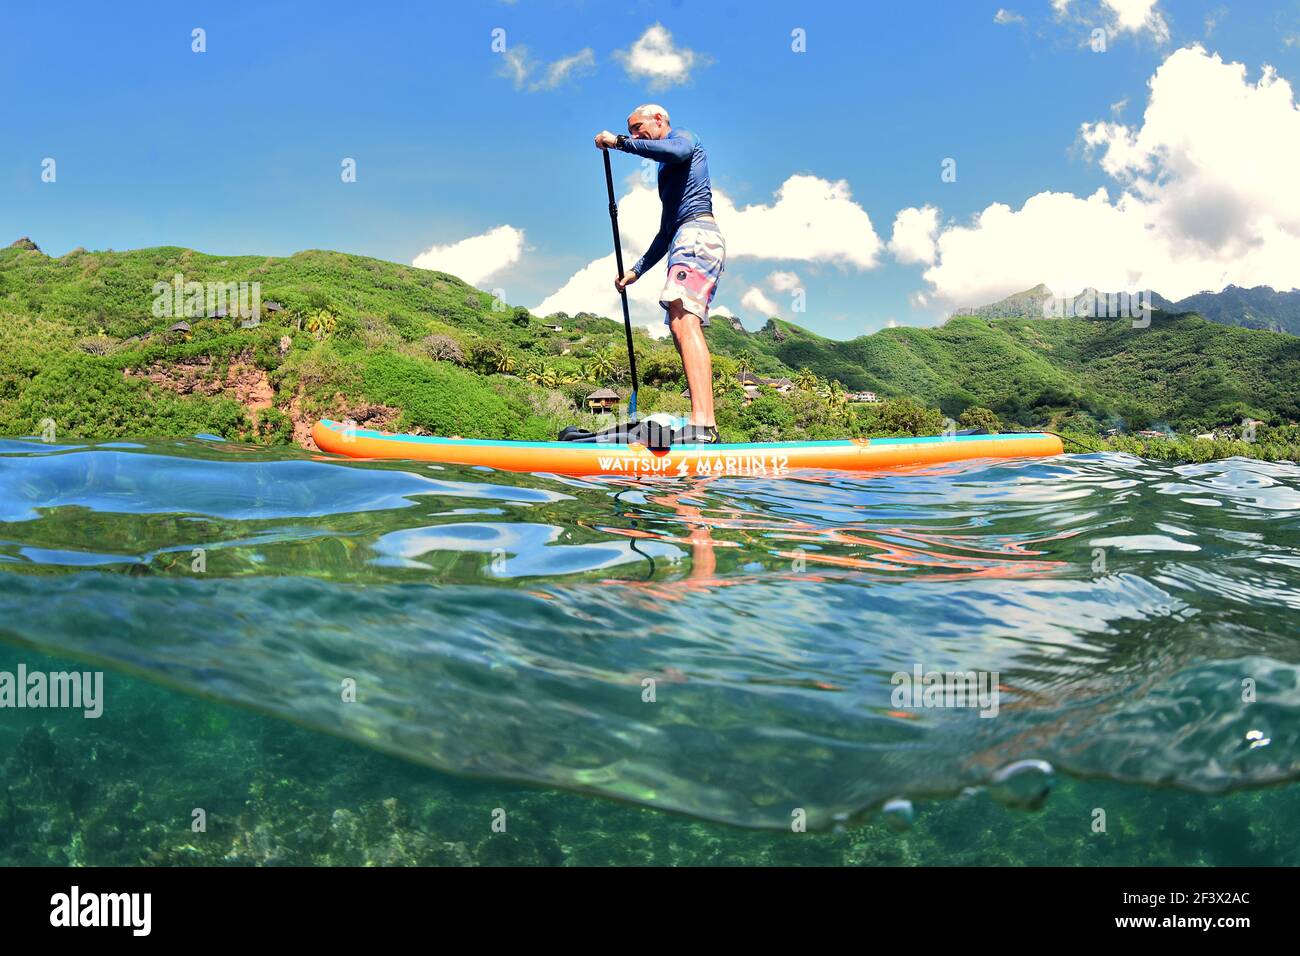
[{"x": 695, "y": 262}]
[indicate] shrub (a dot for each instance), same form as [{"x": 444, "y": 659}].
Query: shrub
[
  {"x": 900, "y": 416},
  {"x": 444, "y": 348},
  {"x": 319, "y": 371},
  {"x": 769, "y": 410},
  {"x": 444, "y": 399},
  {"x": 977, "y": 417},
  {"x": 88, "y": 397},
  {"x": 273, "y": 427}
]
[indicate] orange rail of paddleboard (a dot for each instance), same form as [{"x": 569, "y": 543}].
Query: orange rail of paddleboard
[{"x": 746, "y": 460}]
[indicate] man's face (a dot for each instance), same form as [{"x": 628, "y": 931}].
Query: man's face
[{"x": 647, "y": 127}]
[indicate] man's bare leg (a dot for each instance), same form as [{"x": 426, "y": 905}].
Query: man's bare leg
[{"x": 688, "y": 336}]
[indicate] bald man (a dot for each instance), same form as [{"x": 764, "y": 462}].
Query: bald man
[{"x": 689, "y": 236}]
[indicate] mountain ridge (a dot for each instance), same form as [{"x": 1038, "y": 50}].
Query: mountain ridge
[{"x": 1260, "y": 307}]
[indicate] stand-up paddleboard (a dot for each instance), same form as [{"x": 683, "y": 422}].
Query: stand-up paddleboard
[{"x": 752, "y": 459}]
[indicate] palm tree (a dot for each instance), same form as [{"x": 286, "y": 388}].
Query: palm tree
[
  {"x": 725, "y": 381},
  {"x": 600, "y": 367},
  {"x": 806, "y": 379},
  {"x": 745, "y": 363},
  {"x": 838, "y": 399}
]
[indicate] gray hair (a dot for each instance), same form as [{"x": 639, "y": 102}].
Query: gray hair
[{"x": 650, "y": 109}]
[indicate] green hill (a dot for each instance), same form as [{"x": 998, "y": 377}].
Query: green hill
[
  {"x": 84, "y": 349},
  {"x": 1181, "y": 371}
]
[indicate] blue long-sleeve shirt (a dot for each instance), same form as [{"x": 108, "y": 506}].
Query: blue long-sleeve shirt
[{"x": 683, "y": 186}]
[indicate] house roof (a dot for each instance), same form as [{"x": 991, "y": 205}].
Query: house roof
[
  {"x": 603, "y": 393},
  {"x": 749, "y": 378}
]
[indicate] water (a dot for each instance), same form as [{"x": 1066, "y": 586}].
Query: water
[{"x": 522, "y": 646}]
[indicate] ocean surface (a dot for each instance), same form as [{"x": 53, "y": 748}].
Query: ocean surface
[{"x": 311, "y": 660}]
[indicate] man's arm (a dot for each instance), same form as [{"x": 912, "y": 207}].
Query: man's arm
[
  {"x": 670, "y": 149},
  {"x": 657, "y": 248}
]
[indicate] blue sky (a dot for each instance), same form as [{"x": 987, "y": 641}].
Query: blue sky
[{"x": 237, "y": 150}]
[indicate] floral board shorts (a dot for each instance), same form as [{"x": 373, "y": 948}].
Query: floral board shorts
[{"x": 695, "y": 262}]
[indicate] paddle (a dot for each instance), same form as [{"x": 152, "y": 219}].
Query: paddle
[{"x": 618, "y": 259}]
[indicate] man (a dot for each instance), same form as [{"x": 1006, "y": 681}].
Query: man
[{"x": 696, "y": 252}]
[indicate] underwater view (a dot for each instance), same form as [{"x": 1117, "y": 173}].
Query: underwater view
[{"x": 311, "y": 660}]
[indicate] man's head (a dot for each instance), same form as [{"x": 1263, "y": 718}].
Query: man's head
[{"x": 649, "y": 121}]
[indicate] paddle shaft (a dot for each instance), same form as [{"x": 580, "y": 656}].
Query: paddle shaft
[{"x": 618, "y": 259}]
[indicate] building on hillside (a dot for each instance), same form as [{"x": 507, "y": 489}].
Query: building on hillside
[
  {"x": 602, "y": 400},
  {"x": 863, "y": 397},
  {"x": 751, "y": 381}
]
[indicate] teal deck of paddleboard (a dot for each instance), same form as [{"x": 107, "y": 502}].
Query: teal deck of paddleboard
[{"x": 569, "y": 445}]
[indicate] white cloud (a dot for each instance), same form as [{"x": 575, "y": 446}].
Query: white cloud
[
  {"x": 515, "y": 65},
  {"x": 1122, "y": 16},
  {"x": 655, "y": 58},
  {"x": 518, "y": 65},
  {"x": 756, "y": 301},
  {"x": 914, "y": 233},
  {"x": 1007, "y": 16},
  {"x": 1207, "y": 196},
  {"x": 810, "y": 220},
  {"x": 475, "y": 258},
  {"x": 591, "y": 289},
  {"x": 1136, "y": 16},
  {"x": 783, "y": 281},
  {"x": 566, "y": 68}
]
